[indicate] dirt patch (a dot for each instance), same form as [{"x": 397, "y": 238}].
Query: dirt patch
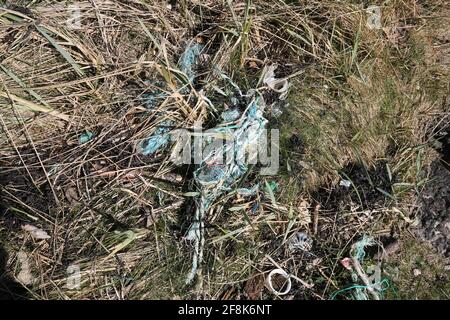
[
  {"x": 444, "y": 149},
  {"x": 17, "y": 191},
  {"x": 366, "y": 187},
  {"x": 435, "y": 209}
]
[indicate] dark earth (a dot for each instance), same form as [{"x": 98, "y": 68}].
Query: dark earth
[
  {"x": 435, "y": 200},
  {"x": 368, "y": 188},
  {"x": 435, "y": 210}
]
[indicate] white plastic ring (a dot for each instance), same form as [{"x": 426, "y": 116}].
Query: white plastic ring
[{"x": 282, "y": 273}]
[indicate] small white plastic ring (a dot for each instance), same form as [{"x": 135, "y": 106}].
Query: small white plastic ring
[{"x": 282, "y": 273}]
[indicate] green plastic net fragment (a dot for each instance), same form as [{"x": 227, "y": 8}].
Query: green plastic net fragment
[
  {"x": 189, "y": 60},
  {"x": 370, "y": 289},
  {"x": 221, "y": 166},
  {"x": 214, "y": 177},
  {"x": 212, "y": 170},
  {"x": 159, "y": 139},
  {"x": 154, "y": 99},
  {"x": 161, "y": 136},
  {"x": 357, "y": 292},
  {"x": 85, "y": 137},
  {"x": 273, "y": 186},
  {"x": 359, "y": 247}
]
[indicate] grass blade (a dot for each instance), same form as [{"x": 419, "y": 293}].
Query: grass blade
[
  {"x": 13, "y": 76},
  {"x": 61, "y": 50},
  {"x": 34, "y": 107}
]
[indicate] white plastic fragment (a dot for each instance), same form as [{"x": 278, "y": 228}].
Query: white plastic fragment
[
  {"x": 36, "y": 232},
  {"x": 276, "y": 111},
  {"x": 345, "y": 183},
  {"x": 24, "y": 276},
  {"x": 287, "y": 286},
  {"x": 278, "y": 85},
  {"x": 247, "y": 192},
  {"x": 230, "y": 115}
]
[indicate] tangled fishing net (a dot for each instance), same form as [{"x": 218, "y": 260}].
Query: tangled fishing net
[{"x": 222, "y": 164}]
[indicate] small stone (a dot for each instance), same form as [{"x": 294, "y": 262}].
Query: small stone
[{"x": 417, "y": 272}]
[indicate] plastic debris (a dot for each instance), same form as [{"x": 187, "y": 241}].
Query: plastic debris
[
  {"x": 255, "y": 207},
  {"x": 213, "y": 177},
  {"x": 278, "y": 85},
  {"x": 189, "y": 59},
  {"x": 358, "y": 251},
  {"x": 345, "y": 183},
  {"x": 347, "y": 263},
  {"x": 221, "y": 165},
  {"x": 230, "y": 115},
  {"x": 277, "y": 110},
  {"x": 161, "y": 137},
  {"x": 273, "y": 186},
  {"x": 370, "y": 288},
  {"x": 25, "y": 275},
  {"x": 300, "y": 241},
  {"x": 247, "y": 192},
  {"x": 35, "y": 232},
  {"x": 86, "y": 137},
  {"x": 153, "y": 100},
  {"x": 287, "y": 285},
  {"x": 357, "y": 291}
]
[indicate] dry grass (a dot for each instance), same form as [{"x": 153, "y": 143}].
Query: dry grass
[{"x": 358, "y": 95}]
